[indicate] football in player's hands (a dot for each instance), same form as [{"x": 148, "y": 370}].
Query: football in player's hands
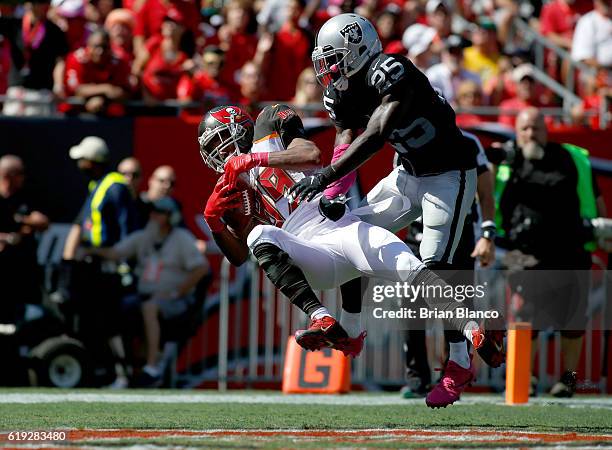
[{"x": 248, "y": 213}]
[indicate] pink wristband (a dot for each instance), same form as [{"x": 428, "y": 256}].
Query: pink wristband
[
  {"x": 260, "y": 158},
  {"x": 343, "y": 185}
]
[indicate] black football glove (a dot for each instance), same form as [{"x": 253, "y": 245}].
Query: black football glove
[
  {"x": 308, "y": 187},
  {"x": 333, "y": 209}
]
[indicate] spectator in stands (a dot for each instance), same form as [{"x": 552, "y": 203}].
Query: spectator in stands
[
  {"x": 131, "y": 170},
  {"x": 37, "y": 47},
  {"x": 20, "y": 219},
  {"x": 557, "y": 22},
  {"x": 162, "y": 62},
  {"x": 97, "y": 11},
  {"x": 5, "y": 64},
  {"x": 526, "y": 95},
  {"x": 593, "y": 89},
  {"x": 69, "y": 15},
  {"x": 237, "y": 39},
  {"x": 107, "y": 216},
  {"x": 205, "y": 85},
  {"x": 417, "y": 39},
  {"x": 483, "y": 56},
  {"x": 97, "y": 76},
  {"x": 502, "y": 86},
  {"x": 251, "y": 83},
  {"x": 169, "y": 266},
  {"x": 120, "y": 25},
  {"x": 273, "y": 15},
  {"x": 469, "y": 95},
  {"x": 387, "y": 25},
  {"x": 450, "y": 73},
  {"x": 592, "y": 42},
  {"x": 160, "y": 184},
  {"x": 555, "y": 286},
  {"x": 439, "y": 17},
  {"x": 152, "y": 13},
  {"x": 308, "y": 93},
  {"x": 290, "y": 48}
]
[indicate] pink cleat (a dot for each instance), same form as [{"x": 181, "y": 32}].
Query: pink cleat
[
  {"x": 452, "y": 384},
  {"x": 351, "y": 346}
]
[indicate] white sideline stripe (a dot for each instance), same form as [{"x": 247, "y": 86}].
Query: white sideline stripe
[{"x": 310, "y": 399}]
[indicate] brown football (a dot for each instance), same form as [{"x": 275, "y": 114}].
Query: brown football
[{"x": 241, "y": 220}]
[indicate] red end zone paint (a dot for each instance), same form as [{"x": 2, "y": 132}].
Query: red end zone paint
[{"x": 354, "y": 436}]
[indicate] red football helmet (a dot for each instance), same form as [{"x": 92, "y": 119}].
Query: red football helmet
[{"x": 223, "y": 132}]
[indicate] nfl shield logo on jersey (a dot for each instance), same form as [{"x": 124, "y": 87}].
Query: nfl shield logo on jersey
[{"x": 352, "y": 32}]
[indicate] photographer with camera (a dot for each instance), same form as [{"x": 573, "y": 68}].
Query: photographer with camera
[{"x": 548, "y": 208}]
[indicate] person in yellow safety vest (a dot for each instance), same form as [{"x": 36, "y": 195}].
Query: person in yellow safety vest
[
  {"x": 107, "y": 216},
  {"x": 543, "y": 197}
]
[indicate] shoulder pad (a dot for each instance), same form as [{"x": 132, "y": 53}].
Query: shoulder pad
[{"x": 385, "y": 72}]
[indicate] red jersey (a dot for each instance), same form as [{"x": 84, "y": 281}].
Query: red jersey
[
  {"x": 201, "y": 87},
  {"x": 150, "y": 17},
  {"x": 559, "y": 18},
  {"x": 81, "y": 70},
  {"x": 241, "y": 50},
  {"x": 161, "y": 77},
  {"x": 290, "y": 55}
]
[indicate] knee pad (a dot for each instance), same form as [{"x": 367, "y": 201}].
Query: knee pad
[
  {"x": 281, "y": 270},
  {"x": 274, "y": 261},
  {"x": 262, "y": 234}
]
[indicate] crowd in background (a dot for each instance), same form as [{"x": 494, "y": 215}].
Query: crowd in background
[{"x": 98, "y": 53}]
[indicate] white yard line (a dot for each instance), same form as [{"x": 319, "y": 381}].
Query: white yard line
[{"x": 252, "y": 398}]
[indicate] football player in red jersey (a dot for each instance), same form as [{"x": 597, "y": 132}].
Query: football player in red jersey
[{"x": 310, "y": 244}]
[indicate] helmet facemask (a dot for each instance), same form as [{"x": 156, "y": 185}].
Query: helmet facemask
[
  {"x": 214, "y": 141},
  {"x": 330, "y": 65}
]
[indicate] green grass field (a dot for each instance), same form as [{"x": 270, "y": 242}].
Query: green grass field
[{"x": 255, "y": 419}]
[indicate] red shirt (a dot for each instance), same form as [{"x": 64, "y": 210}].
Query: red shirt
[
  {"x": 150, "y": 17},
  {"x": 5, "y": 64},
  {"x": 81, "y": 70},
  {"x": 123, "y": 53},
  {"x": 241, "y": 50},
  {"x": 559, "y": 18},
  {"x": 394, "y": 47},
  {"x": 290, "y": 56},
  {"x": 466, "y": 120},
  {"x": 201, "y": 87},
  {"x": 161, "y": 77}
]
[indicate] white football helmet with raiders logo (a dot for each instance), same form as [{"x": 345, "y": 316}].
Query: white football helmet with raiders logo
[{"x": 345, "y": 43}]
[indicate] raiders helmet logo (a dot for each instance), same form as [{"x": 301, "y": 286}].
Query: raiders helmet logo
[{"x": 352, "y": 32}]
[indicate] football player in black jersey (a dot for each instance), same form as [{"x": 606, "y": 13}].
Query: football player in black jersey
[{"x": 392, "y": 101}]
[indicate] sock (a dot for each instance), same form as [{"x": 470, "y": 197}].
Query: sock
[
  {"x": 459, "y": 354},
  {"x": 320, "y": 313},
  {"x": 469, "y": 327},
  {"x": 351, "y": 322}
]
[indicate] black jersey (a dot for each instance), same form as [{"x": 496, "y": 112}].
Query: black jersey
[
  {"x": 428, "y": 140},
  {"x": 279, "y": 120}
]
